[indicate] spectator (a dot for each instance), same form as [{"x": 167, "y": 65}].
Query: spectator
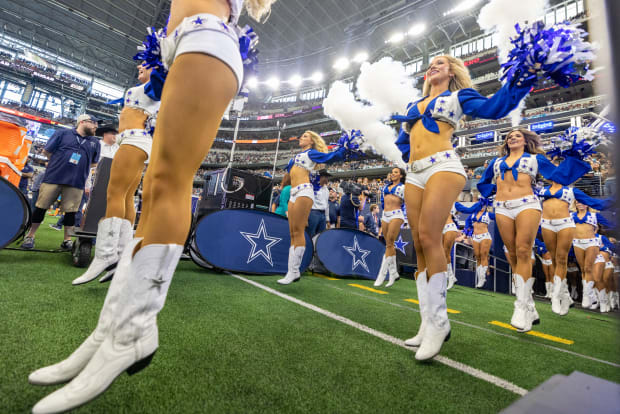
[
  {"x": 36, "y": 184},
  {"x": 466, "y": 193},
  {"x": 349, "y": 211},
  {"x": 334, "y": 209},
  {"x": 610, "y": 181},
  {"x": 27, "y": 173},
  {"x": 284, "y": 196},
  {"x": 372, "y": 222},
  {"x": 317, "y": 220},
  {"x": 477, "y": 175},
  {"x": 71, "y": 154}
]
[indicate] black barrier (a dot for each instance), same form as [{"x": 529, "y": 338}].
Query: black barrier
[
  {"x": 97, "y": 202},
  {"x": 247, "y": 241},
  {"x": 350, "y": 252},
  {"x": 14, "y": 213},
  {"x": 405, "y": 252}
]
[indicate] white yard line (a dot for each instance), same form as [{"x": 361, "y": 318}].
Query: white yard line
[{"x": 492, "y": 379}]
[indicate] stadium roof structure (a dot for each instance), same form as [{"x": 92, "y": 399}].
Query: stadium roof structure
[{"x": 101, "y": 35}]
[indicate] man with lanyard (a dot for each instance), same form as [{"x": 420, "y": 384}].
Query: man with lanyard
[
  {"x": 71, "y": 154},
  {"x": 334, "y": 209},
  {"x": 317, "y": 220},
  {"x": 372, "y": 222},
  {"x": 27, "y": 173}
]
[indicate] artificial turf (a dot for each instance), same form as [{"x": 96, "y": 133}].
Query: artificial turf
[{"x": 229, "y": 347}]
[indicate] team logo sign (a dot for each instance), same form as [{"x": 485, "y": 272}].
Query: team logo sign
[
  {"x": 400, "y": 244},
  {"x": 348, "y": 252},
  {"x": 247, "y": 241}
]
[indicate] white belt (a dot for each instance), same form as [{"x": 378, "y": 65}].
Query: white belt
[
  {"x": 439, "y": 157},
  {"x": 510, "y": 204}
]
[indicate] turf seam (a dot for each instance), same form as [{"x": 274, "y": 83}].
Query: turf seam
[
  {"x": 474, "y": 372},
  {"x": 469, "y": 325}
]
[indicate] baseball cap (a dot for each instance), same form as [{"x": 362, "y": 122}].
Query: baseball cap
[{"x": 86, "y": 117}]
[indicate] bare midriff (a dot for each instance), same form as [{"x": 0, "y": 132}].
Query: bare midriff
[
  {"x": 131, "y": 118},
  {"x": 584, "y": 230},
  {"x": 554, "y": 208},
  {"x": 299, "y": 176},
  {"x": 606, "y": 255},
  {"x": 480, "y": 228},
  {"x": 510, "y": 189},
  {"x": 391, "y": 202},
  {"x": 425, "y": 143}
]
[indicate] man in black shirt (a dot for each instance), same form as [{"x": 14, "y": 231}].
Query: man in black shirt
[{"x": 334, "y": 209}]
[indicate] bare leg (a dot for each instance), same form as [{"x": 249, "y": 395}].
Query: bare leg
[
  {"x": 448, "y": 243},
  {"x": 526, "y": 226},
  {"x": 298, "y": 213},
  {"x": 485, "y": 248},
  {"x": 128, "y": 162},
  {"x": 413, "y": 200},
  {"x": 391, "y": 233}
]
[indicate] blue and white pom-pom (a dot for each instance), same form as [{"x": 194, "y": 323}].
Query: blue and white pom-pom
[
  {"x": 556, "y": 52},
  {"x": 576, "y": 142},
  {"x": 248, "y": 40},
  {"x": 351, "y": 143},
  {"x": 150, "y": 54}
]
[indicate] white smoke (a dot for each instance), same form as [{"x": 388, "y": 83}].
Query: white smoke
[
  {"x": 341, "y": 105},
  {"x": 386, "y": 85},
  {"x": 515, "y": 114},
  {"x": 502, "y": 15}
]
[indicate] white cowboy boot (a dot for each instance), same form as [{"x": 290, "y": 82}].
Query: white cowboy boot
[
  {"x": 134, "y": 337},
  {"x": 70, "y": 367},
  {"x": 124, "y": 239},
  {"x": 556, "y": 295},
  {"x": 593, "y": 293},
  {"x": 482, "y": 276},
  {"x": 573, "y": 292},
  {"x": 451, "y": 277},
  {"x": 603, "y": 300},
  {"x": 106, "y": 249},
  {"x": 437, "y": 330},
  {"x": 382, "y": 272},
  {"x": 586, "y": 300},
  {"x": 548, "y": 289},
  {"x": 523, "y": 316},
  {"x": 392, "y": 271},
  {"x": 421, "y": 285},
  {"x": 295, "y": 257},
  {"x": 565, "y": 300}
]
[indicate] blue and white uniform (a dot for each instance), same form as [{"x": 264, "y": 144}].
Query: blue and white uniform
[
  {"x": 605, "y": 245},
  {"x": 450, "y": 107},
  {"x": 568, "y": 195},
  {"x": 399, "y": 191},
  {"x": 451, "y": 226},
  {"x": 484, "y": 218},
  {"x": 541, "y": 249},
  {"x": 308, "y": 160},
  {"x": 592, "y": 219}
]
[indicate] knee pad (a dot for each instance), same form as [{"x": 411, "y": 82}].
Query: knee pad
[
  {"x": 69, "y": 219},
  {"x": 207, "y": 34},
  {"x": 38, "y": 215}
]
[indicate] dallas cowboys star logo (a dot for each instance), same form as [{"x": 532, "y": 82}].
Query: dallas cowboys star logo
[
  {"x": 400, "y": 244},
  {"x": 356, "y": 251},
  {"x": 266, "y": 242}
]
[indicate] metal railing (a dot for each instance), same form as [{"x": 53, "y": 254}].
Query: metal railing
[{"x": 493, "y": 261}]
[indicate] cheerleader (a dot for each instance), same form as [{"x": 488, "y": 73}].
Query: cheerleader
[
  {"x": 586, "y": 246},
  {"x": 558, "y": 229},
  {"x": 518, "y": 210},
  {"x": 547, "y": 265},
  {"x": 450, "y": 233},
  {"x": 206, "y": 74},
  {"x": 302, "y": 169},
  {"x": 477, "y": 224},
  {"x": 115, "y": 230},
  {"x": 603, "y": 274},
  {"x": 435, "y": 177},
  {"x": 392, "y": 199}
]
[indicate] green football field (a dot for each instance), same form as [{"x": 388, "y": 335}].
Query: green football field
[{"x": 324, "y": 345}]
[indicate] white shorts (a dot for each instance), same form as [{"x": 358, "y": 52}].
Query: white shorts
[
  {"x": 556, "y": 225},
  {"x": 512, "y": 208},
  {"x": 388, "y": 216},
  {"x": 450, "y": 227},
  {"x": 420, "y": 171},
  {"x": 583, "y": 244},
  {"x": 207, "y": 34},
  {"x": 533, "y": 256},
  {"x": 479, "y": 237},
  {"x": 572, "y": 269},
  {"x": 609, "y": 265},
  {"x": 546, "y": 262},
  {"x": 599, "y": 259},
  {"x": 302, "y": 190},
  {"x": 137, "y": 138}
]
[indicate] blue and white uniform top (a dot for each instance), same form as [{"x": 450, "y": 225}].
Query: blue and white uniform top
[
  {"x": 570, "y": 194},
  {"x": 605, "y": 244},
  {"x": 449, "y": 107},
  {"x": 593, "y": 219},
  {"x": 398, "y": 190},
  {"x": 540, "y": 246},
  {"x": 473, "y": 211},
  {"x": 309, "y": 158},
  {"x": 570, "y": 170}
]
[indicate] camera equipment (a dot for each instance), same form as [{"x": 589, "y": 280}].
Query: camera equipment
[{"x": 352, "y": 188}]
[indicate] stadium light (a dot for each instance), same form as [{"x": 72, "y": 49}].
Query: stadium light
[
  {"x": 252, "y": 83},
  {"x": 361, "y": 57},
  {"x": 462, "y": 6},
  {"x": 295, "y": 81},
  {"x": 341, "y": 64},
  {"x": 273, "y": 82},
  {"x": 317, "y": 77},
  {"x": 396, "y": 38},
  {"x": 417, "y": 29}
]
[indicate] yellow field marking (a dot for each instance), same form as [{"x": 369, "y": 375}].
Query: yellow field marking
[
  {"x": 324, "y": 277},
  {"x": 535, "y": 333},
  {"x": 381, "y": 292},
  {"x": 417, "y": 303}
]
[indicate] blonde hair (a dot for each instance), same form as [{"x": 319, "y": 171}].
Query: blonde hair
[
  {"x": 460, "y": 80},
  {"x": 258, "y": 8},
  {"x": 317, "y": 142},
  {"x": 532, "y": 142}
]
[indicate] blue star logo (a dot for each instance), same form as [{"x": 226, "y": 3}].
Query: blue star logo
[
  {"x": 432, "y": 160},
  {"x": 356, "y": 251},
  {"x": 197, "y": 21},
  {"x": 440, "y": 109},
  {"x": 400, "y": 244},
  {"x": 263, "y": 240},
  {"x": 451, "y": 114},
  {"x": 447, "y": 155}
]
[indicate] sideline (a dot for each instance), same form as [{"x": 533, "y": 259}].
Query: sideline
[{"x": 499, "y": 382}]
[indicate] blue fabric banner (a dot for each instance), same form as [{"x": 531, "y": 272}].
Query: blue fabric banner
[
  {"x": 247, "y": 241},
  {"x": 15, "y": 213}
]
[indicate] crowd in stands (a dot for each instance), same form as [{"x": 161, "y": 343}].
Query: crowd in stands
[
  {"x": 28, "y": 67},
  {"x": 32, "y": 111}
]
